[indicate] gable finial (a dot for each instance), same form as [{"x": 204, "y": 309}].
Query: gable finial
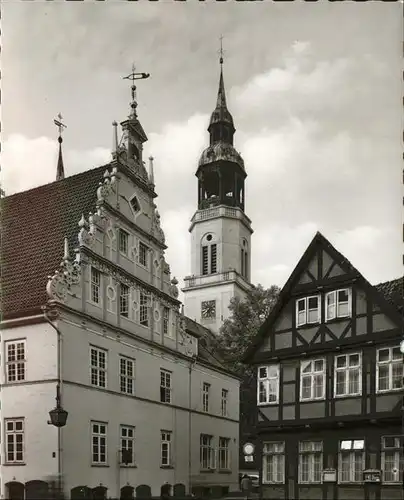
[
  {"x": 135, "y": 76},
  {"x": 60, "y": 172}
]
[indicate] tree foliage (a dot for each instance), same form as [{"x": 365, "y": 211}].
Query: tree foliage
[{"x": 243, "y": 324}]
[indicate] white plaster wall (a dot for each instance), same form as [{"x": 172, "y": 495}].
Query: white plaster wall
[
  {"x": 229, "y": 233},
  {"x": 31, "y": 399},
  {"x": 222, "y": 293},
  {"x": 144, "y": 411}
]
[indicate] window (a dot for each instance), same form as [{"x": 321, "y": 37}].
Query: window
[
  {"x": 392, "y": 462},
  {"x": 99, "y": 443},
  {"x": 268, "y": 384},
  {"x": 308, "y": 310},
  {"x": 123, "y": 241},
  {"x": 165, "y": 386},
  {"x": 389, "y": 369},
  {"x": 209, "y": 259},
  {"x": 338, "y": 304},
  {"x": 14, "y": 429},
  {"x": 205, "y": 396},
  {"x": 166, "y": 448},
  {"x": 144, "y": 310},
  {"x": 127, "y": 375},
  {"x": 273, "y": 463},
  {"x": 207, "y": 452},
  {"x": 128, "y": 444},
  {"x": 310, "y": 461},
  {"x": 224, "y": 402},
  {"x": 166, "y": 321},
  {"x": 15, "y": 360},
  {"x": 312, "y": 379},
  {"x": 224, "y": 453},
  {"x": 351, "y": 461},
  {"x": 95, "y": 285},
  {"x": 244, "y": 260},
  {"x": 213, "y": 259},
  {"x": 123, "y": 300},
  {"x": 143, "y": 253},
  {"x": 348, "y": 373},
  {"x": 98, "y": 367},
  {"x": 134, "y": 203}
]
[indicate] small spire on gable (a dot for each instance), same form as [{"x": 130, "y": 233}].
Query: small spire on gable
[{"x": 60, "y": 172}]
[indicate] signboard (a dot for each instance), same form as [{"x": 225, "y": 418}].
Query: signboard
[
  {"x": 249, "y": 458},
  {"x": 248, "y": 449},
  {"x": 372, "y": 476},
  {"x": 329, "y": 476}
]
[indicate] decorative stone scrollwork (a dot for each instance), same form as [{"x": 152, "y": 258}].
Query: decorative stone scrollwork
[
  {"x": 173, "y": 288},
  {"x": 156, "y": 225},
  {"x": 186, "y": 340},
  {"x": 157, "y": 315},
  {"x": 68, "y": 275},
  {"x": 108, "y": 185},
  {"x": 87, "y": 231}
]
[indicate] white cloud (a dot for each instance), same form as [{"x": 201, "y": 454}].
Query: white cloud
[{"x": 28, "y": 163}]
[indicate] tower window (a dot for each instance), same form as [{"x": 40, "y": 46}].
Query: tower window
[
  {"x": 213, "y": 259},
  {"x": 244, "y": 260},
  {"x": 209, "y": 259}
]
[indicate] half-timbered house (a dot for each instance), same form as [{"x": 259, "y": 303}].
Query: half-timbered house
[{"x": 329, "y": 375}]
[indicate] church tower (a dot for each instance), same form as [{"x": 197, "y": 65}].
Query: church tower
[{"x": 220, "y": 230}]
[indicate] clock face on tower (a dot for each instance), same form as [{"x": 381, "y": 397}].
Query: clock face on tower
[{"x": 208, "y": 309}]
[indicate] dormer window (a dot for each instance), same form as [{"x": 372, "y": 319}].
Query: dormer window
[
  {"x": 338, "y": 304},
  {"x": 308, "y": 310}
]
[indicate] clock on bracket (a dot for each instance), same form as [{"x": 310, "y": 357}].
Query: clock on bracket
[{"x": 208, "y": 309}]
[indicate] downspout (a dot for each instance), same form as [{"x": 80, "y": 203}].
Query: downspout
[
  {"x": 58, "y": 388},
  {"x": 191, "y": 365}
]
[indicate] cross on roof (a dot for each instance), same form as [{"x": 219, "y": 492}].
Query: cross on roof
[{"x": 59, "y": 124}]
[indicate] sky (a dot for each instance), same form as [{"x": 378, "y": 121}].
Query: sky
[{"x": 314, "y": 90}]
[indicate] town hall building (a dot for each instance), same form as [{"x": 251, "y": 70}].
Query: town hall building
[{"x": 92, "y": 326}]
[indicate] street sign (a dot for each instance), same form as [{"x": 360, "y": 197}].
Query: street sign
[{"x": 249, "y": 458}]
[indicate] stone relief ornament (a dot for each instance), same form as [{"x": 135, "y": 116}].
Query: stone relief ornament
[
  {"x": 107, "y": 186},
  {"x": 86, "y": 234},
  {"x": 59, "y": 285},
  {"x": 156, "y": 225},
  {"x": 173, "y": 288},
  {"x": 186, "y": 340}
]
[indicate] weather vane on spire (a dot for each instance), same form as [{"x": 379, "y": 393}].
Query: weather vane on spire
[
  {"x": 221, "y": 51},
  {"x": 135, "y": 76}
]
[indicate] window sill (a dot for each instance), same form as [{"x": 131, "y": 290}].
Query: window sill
[
  {"x": 224, "y": 471},
  {"x": 353, "y": 484},
  {"x": 342, "y": 396},
  {"x": 99, "y": 465},
  {"x": 387, "y": 391},
  {"x": 166, "y": 467},
  {"x": 272, "y": 403},
  {"x": 312, "y": 400},
  {"x": 336, "y": 320},
  {"x": 305, "y": 325},
  {"x": 273, "y": 484},
  {"x": 123, "y": 466},
  {"x": 314, "y": 483},
  {"x": 14, "y": 464},
  {"x": 207, "y": 471}
]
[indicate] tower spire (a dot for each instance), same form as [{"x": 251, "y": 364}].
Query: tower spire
[{"x": 60, "y": 171}]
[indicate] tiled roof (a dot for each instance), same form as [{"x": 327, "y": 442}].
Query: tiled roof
[
  {"x": 205, "y": 345},
  {"x": 393, "y": 292},
  {"x": 34, "y": 224}
]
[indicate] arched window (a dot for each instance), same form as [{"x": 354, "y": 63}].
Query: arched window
[
  {"x": 244, "y": 259},
  {"x": 209, "y": 254}
]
